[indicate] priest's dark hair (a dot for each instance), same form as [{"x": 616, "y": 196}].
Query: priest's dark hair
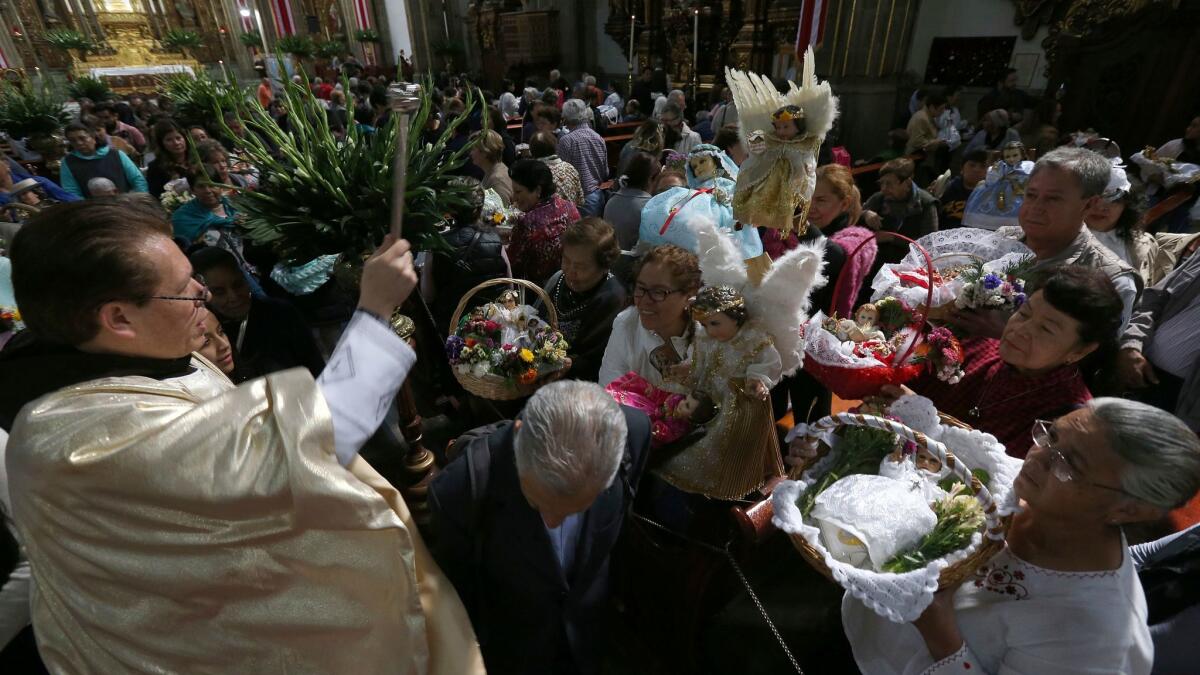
[{"x": 70, "y": 259}]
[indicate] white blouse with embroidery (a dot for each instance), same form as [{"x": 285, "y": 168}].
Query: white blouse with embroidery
[{"x": 1020, "y": 619}]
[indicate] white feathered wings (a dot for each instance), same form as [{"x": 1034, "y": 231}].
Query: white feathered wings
[
  {"x": 779, "y": 304},
  {"x": 757, "y": 99}
]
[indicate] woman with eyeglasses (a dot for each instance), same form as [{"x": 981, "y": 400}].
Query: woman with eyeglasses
[
  {"x": 654, "y": 336},
  {"x": 1033, "y": 371},
  {"x": 1063, "y": 595}
]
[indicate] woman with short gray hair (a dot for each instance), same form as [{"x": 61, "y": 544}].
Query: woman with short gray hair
[{"x": 1108, "y": 464}]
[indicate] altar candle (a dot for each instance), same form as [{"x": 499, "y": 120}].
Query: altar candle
[
  {"x": 695, "y": 50},
  {"x": 224, "y": 72},
  {"x": 632, "y": 27}
]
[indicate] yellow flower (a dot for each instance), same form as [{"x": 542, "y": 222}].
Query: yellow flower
[
  {"x": 526, "y": 355},
  {"x": 497, "y": 218},
  {"x": 16, "y": 315}
]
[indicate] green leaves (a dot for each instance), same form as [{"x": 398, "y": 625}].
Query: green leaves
[
  {"x": 296, "y": 45},
  {"x": 25, "y": 112},
  {"x": 250, "y": 39},
  {"x": 89, "y": 87},
  {"x": 367, "y": 35},
  {"x": 330, "y": 50},
  {"x": 65, "y": 39},
  {"x": 195, "y": 98},
  {"x": 323, "y": 195},
  {"x": 177, "y": 38}
]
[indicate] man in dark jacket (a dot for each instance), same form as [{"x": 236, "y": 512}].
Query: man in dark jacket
[{"x": 525, "y": 519}]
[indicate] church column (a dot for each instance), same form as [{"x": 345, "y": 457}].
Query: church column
[
  {"x": 152, "y": 17},
  {"x": 12, "y": 54},
  {"x": 94, "y": 21},
  {"x": 80, "y": 17}
]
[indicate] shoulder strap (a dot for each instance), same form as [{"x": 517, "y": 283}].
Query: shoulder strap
[{"x": 462, "y": 261}]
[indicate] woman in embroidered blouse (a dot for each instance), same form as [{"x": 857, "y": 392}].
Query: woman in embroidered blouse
[
  {"x": 655, "y": 335},
  {"x": 1032, "y": 372},
  {"x": 586, "y": 295},
  {"x": 1062, "y": 596},
  {"x": 535, "y": 249}
]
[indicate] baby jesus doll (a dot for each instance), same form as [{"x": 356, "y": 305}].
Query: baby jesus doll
[
  {"x": 514, "y": 318},
  {"x": 779, "y": 172},
  {"x": 672, "y": 416},
  {"x": 737, "y": 363}
]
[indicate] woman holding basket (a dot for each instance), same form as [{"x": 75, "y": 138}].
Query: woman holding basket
[
  {"x": 1062, "y": 596},
  {"x": 1033, "y": 371}
]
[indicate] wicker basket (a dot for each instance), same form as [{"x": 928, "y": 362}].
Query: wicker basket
[
  {"x": 857, "y": 383},
  {"x": 941, "y": 313},
  {"x": 994, "y": 527},
  {"x": 495, "y": 387}
]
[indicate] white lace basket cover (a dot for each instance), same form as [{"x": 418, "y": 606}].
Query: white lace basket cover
[
  {"x": 903, "y": 597},
  {"x": 1171, "y": 173},
  {"x": 947, "y": 248}
]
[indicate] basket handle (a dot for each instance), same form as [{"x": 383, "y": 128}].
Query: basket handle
[
  {"x": 826, "y": 424},
  {"x": 837, "y": 288},
  {"x": 505, "y": 281}
]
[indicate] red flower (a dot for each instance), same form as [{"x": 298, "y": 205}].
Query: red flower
[
  {"x": 471, "y": 342},
  {"x": 528, "y": 377}
]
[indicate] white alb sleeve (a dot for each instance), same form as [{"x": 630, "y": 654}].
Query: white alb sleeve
[{"x": 360, "y": 382}]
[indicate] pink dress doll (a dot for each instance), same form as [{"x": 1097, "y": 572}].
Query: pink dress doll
[{"x": 671, "y": 415}]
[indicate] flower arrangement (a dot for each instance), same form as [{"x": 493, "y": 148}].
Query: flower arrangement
[
  {"x": 25, "y": 112},
  {"x": 299, "y": 46},
  {"x": 331, "y": 49},
  {"x": 942, "y": 351},
  {"x": 495, "y": 213},
  {"x": 1002, "y": 289},
  {"x": 10, "y": 320},
  {"x": 65, "y": 39},
  {"x": 179, "y": 39},
  {"x": 89, "y": 87},
  {"x": 367, "y": 35},
  {"x": 676, "y": 161},
  {"x": 175, "y": 194},
  {"x": 250, "y": 39},
  {"x": 477, "y": 348}
]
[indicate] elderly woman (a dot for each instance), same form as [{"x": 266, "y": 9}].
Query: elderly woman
[
  {"x": 1063, "y": 595},
  {"x": 474, "y": 254},
  {"x": 535, "y": 249},
  {"x": 586, "y": 295},
  {"x": 544, "y": 146},
  {"x": 210, "y": 215},
  {"x": 88, "y": 159},
  {"x": 1033, "y": 371},
  {"x": 655, "y": 335},
  {"x": 487, "y": 154},
  {"x": 172, "y": 156},
  {"x": 995, "y": 134},
  {"x": 213, "y": 154},
  {"x": 1115, "y": 221}
]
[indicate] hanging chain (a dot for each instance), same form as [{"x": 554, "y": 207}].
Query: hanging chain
[{"x": 741, "y": 576}]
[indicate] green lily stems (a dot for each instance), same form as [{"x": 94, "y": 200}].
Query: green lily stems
[{"x": 405, "y": 98}]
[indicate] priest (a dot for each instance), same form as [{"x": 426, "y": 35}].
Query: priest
[{"x": 175, "y": 522}]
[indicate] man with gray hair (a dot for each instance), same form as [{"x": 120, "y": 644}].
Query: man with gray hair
[
  {"x": 584, "y": 149},
  {"x": 525, "y": 519},
  {"x": 1065, "y": 184}
]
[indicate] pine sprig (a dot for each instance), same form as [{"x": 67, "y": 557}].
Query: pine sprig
[
  {"x": 959, "y": 517},
  {"x": 860, "y": 450}
]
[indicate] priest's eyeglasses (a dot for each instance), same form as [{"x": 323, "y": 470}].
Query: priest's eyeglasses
[
  {"x": 1045, "y": 437},
  {"x": 200, "y": 300}
]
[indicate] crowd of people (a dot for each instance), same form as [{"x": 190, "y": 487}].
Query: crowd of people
[{"x": 171, "y": 514}]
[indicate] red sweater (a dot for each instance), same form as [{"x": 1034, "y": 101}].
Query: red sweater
[{"x": 1007, "y": 402}]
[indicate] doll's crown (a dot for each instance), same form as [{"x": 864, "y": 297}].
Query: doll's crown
[
  {"x": 715, "y": 300},
  {"x": 788, "y": 113}
]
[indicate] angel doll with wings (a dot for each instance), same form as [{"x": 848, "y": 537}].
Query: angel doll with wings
[
  {"x": 750, "y": 339},
  {"x": 783, "y": 133}
]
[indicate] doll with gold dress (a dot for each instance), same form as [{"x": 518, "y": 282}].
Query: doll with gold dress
[
  {"x": 749, "y": 339},
  {"x": 782, "y": 133}
]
